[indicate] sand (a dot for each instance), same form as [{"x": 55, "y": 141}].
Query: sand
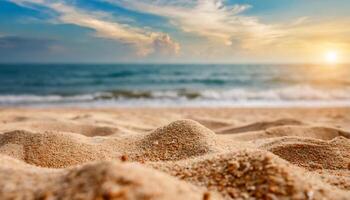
[{"x": 175, "y": 153}]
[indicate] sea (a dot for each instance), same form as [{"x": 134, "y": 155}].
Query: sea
[{"x": 174, "y": 85}]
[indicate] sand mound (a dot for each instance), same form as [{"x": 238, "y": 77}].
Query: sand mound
[
  {"x": 258, "y": 126},
  {"x": 337, "y": 178},
  {"x": 65, "y": 126},
  {"x": 179, "y": 140},
  {"x": 104, "y": 180},
  {"x": 53, "y": 149},
  {"x": 251, "y": 175},
  {"x": 211, "y": 123},
  {"x": 311, "y": 153},
  {"x": 317, "y": 132}
]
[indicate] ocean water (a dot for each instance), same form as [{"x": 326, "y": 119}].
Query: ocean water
[{"x": 95, "y": 85}]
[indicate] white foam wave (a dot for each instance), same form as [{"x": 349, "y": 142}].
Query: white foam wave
[
  {"x": 33, "y": 99},
  {"x": 297, "y": 95}
]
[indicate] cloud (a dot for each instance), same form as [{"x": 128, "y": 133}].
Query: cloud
[
  {"x": 164, "y": 44},
  {"x": 146, "y": 42},
  {"x": 314, "y": 36},
  {"x": 227, "y": 24},
  {"x": 211, "y": 19}
]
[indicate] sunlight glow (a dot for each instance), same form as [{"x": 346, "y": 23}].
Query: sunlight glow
[{"x": 331, "y": 57}]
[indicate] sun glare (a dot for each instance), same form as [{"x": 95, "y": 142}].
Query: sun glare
[{"x": 331, "y": 57}]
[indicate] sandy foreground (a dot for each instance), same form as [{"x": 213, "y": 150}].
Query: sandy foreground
[{"x": 187, "y": 153}]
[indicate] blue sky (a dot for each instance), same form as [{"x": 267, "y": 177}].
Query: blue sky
[{"x": 173, "y": 31}]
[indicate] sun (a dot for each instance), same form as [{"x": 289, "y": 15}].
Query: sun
[{"x": 331, "y": 57}]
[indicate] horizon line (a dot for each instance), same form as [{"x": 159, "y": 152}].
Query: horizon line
[{"x": 173, "y": 63}]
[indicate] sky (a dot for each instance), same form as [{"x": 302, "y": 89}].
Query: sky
[{"x": 174, "y": 31}]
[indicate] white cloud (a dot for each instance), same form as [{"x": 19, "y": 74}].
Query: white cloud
[
  {"x": 145, "y": 41},
  {"x": 230, "y": 32},
  {"x": 209, "y": 18}
]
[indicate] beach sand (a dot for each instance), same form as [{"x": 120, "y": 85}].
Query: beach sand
[{"x": 175, "y": 153}]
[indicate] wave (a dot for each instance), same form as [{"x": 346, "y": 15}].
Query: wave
[
  {"x": 33, "y": 99},
  {"x": 317, "y": 81},
  {"x": 235, "y": 96}
]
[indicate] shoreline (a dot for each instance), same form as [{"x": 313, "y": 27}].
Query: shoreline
[{"x": 106, "y": 108}]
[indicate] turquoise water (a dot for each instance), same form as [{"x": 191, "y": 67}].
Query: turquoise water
[{"x": 173, "y": 85}]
